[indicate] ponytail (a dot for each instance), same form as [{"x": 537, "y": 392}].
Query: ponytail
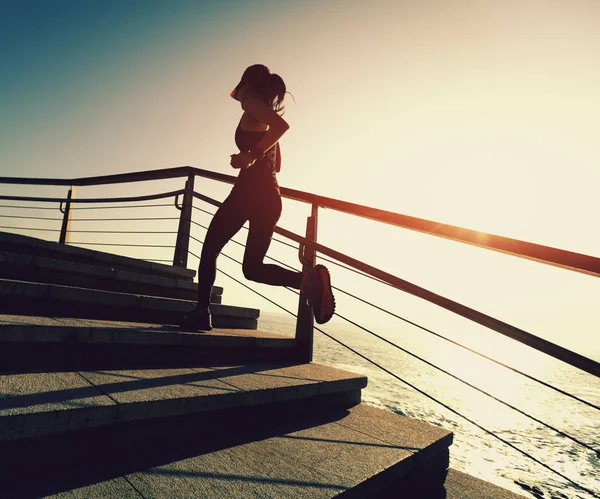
[
  {"x": 275, "y": 93},
  {"x": 268, "y": 87}
]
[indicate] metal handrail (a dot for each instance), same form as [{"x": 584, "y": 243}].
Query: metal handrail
[
  {"x": 548, "y": 255},
  {"x": 545, "y": 346},
  {"x": 121, "y": 178},
  {"x": 148, "y": 197},
  {"x": 497, "y": 325}
]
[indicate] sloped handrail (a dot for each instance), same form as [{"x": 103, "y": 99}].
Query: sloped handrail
[
  {"x": 548, "y": 255},
  {"x": 572, "y": 358}
]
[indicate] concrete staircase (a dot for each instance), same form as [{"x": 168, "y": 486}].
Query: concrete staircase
[
  {"x": 102, "y": 396},
  {"x": 42, "y": 278}
]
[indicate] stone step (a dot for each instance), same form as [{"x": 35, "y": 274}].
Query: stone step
[
  {"x": 44, "y": 343},
  {"x": 38, "y": 404},
  {"x": 459, "y": 485},
  {"x": 53, "y": 271},
  {"x": 52, "y": 300},
  {"x": 287, "y": 450},
  {"x": 27, "y": 245}
]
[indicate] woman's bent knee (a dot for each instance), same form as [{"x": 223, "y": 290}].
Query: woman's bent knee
[{"x": 252, "y": 272}]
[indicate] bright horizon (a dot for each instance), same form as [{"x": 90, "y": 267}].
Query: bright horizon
[{"x": 482, "y": 116}]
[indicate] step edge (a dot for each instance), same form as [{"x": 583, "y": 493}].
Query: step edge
[
  {"x": 9, "y": 238},
  {"x": 104, "y": 298},
  {"x": 102, "y": 272},
  {"x": 118, "y": 413}
]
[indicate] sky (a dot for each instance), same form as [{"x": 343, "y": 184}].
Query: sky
[{"x": 476, "y": 113}]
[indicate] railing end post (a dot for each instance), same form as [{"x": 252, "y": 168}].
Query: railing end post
[
  {"x": 66, "y": 222},
  {"x": 305, "y": 321},
  {"x": 182, "y": 244}
]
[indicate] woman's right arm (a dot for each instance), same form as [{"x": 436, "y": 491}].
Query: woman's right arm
[{"x": 262, "y": 113}]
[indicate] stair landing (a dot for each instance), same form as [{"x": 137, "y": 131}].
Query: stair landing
[{"x": 356, "y": 452}]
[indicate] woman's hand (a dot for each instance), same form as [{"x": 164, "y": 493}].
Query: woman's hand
[{"x": 242, "y": 160}]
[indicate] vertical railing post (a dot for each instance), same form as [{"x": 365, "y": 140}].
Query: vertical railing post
[
  {"x": 66, "y": 223},
  {"x": 185, "y": 221},
  {"x": 305, "y": 322}
]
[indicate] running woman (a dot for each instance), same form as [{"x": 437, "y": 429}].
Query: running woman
[{"x": 255, "y": 197}]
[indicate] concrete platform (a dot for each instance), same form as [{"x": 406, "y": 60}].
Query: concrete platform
[
  {"x": 459, "y": 485},
  {"x": 39, "y": 269},
  {"x": 27, "y": 245},
  {"x": 52, "y": 300},
  {"x": 316, "y": 461},
  {"x": 289, "y": 452},
  {"x": 45, "y": 403}
]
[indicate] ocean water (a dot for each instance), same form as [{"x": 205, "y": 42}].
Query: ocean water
[{"x": 474, "y": 451}]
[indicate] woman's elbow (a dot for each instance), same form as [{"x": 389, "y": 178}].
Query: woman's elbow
[
  {"x": 280, "y": 128},
  {"x": 284, "y": 126}
]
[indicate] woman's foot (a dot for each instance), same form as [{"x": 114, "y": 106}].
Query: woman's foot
[
  {"x": 198, "y": 319},
  {"x": 316, "y": 286}
]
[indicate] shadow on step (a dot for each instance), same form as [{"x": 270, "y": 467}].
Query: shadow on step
[
  {"x": 60, "y": 463},
  {"x": 50, "y": 465},
  {"x": 57, "y": 357}
]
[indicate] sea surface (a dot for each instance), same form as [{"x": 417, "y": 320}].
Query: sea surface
[{"x": 474, "y": 451}]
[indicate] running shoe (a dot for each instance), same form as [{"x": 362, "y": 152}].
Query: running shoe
[
  {"x": 316, "y": 286},
  {"x": 197, "y": 320}
]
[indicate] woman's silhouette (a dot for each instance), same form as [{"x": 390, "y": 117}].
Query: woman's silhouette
[{"x": 255, "y": 197}]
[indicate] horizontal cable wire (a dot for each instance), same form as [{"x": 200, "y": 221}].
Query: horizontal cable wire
[
  {"x": 198, "y": 240},
  {"x": 89, "y": 207},
  {"x": 204, "y": 211},
  {"x": 119, "y": 219},
  {"x": 123, "y": 206},
  {"x": 26, "y": 207},
  {"x": 147, "y": 197},
  {"x": 78, "y": 201},
  {"x": 28, "y": 228},
  {"x": 116, "y": 244},
  {"x": 547, "y": 385},
  {"x": 124, "y": 231},
  {"x": 526, "y": 454},
  {"x": 29, "y": 218},
  {"x": 285, "y": 243}
]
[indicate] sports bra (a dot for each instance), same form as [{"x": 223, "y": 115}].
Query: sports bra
[{"x": 247, "y": 139}]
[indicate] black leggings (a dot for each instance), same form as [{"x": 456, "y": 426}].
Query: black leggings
[{"x": 262, "y": 208}]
